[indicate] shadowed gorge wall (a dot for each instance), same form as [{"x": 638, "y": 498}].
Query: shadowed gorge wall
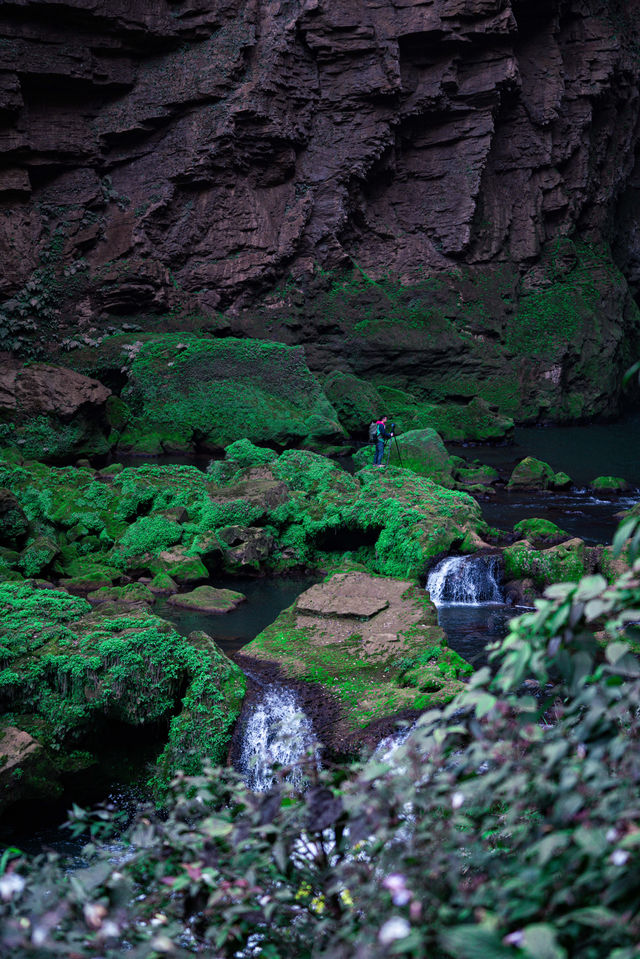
[{"x": 391, "y": 183}]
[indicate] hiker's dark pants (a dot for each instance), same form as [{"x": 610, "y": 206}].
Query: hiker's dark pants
[{"x": 379, "y": 453}]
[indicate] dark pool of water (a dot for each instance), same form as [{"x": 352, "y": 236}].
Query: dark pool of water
[
  {"x": 584, "y": 452},
  {"x": 266, "y": 598},
  {"x": 470, "y": 629}
]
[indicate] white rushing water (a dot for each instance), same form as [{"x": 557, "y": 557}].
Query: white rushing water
[
  {"x": 276, "y": 733},
  {"x": 466, "y": 581}
]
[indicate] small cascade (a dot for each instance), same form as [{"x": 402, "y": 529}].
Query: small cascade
[
  {"x": 466, "y": 581},
  {"x": 276, "y": 733}
]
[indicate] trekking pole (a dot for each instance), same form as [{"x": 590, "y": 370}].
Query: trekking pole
[{"x": 386, "y": 455}]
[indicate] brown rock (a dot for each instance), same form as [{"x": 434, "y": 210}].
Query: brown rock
[{"x": 39, "y": 388}]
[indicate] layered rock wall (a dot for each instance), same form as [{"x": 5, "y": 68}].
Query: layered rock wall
[{"x": 192, "y": 155}]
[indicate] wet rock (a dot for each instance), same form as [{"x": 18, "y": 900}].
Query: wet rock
[
  {"x": 208, "y": 599},
  {"x": 532, "y": 473},
  {"x": 609, "y": 484},
  {"x": 26, "y": 771}
]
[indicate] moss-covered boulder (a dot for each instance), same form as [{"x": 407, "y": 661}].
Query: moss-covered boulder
[
  {"x": 372, "y": 642},
  {"x": 475, "y": 420},
  {"x": 179, "y": 565},
  {"x": 421, "y": 451},
  {"x": 208, "y": 599},
  {"x": 67, "y": 672},
  {"x": 38, "y": 555},
  {"x": 190, "y": 390},
  {"x": 534, "y": 474},
  {"x": 609, "y": 484},
  {"x": 472, "y": 475},
  {"x": 14, "y": 525},
  {"x": 566, "y": 562},
  {"x": 133, "y": 593},
  {"x": 356, "y": 402},
  {"x": 540, "y": 532}
]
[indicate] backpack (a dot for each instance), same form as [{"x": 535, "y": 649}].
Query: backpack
[{"x": 373, "y": 431}]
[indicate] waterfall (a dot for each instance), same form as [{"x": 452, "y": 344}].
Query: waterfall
[
  {"x": 466, "y": 581},
  {"x": 277, "y": 732}
]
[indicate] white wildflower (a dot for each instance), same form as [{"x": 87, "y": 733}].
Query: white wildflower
[
  {"x": 457, "y": 800},
  {"x": 11, "y": 884},
  {"x": 619, "y": 857},
  {"x": 514, "y": 938},
  {"x": 396, "y": 884},
  {"x": 395, "y": 928}
]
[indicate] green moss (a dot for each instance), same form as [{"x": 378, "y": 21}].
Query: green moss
[
  {"x": 149, "y": 534},
  {"x": 539, "y": 530},
  {"x": 75, "y": 670},
  {"x": 558, "y": 564},
  {"x": 532, "y": 473},
  {"x": 609, "y": 484},
  {"x": 218, "y": 391}
]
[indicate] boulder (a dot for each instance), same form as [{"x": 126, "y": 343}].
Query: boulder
[
  {"x": 245, "y": 546},
  {"x": 567, "y": 562},
  {"x": 56, "y": 413},
  {"x": 212, "y": 392},
  {"x": 609, "y": 484},
  {"x": 421, "y": 451},
  {"x": 26, "y": 770},
  {"x": 356, "y": 402},
  {"x": 41, "y": 389},
  {"x": 134, "y": 593},
  {"x": 14, "y": 524},
  {"x": 208, "y": 599},
  {"x": 534, "y": 474},
  {"x": 540, "y": 532}
]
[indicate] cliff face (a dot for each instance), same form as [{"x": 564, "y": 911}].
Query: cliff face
[{"x": 195, "y": 154}]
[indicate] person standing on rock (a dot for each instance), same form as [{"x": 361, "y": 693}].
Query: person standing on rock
[{"x": 381, "y": 436}]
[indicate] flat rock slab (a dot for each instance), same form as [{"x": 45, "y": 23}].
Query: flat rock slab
[
  {"x": 208, "y": 599},
  {"x": 335, "y": 598}
]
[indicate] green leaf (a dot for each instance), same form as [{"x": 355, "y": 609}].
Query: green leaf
[
  {"x": 540, "y": 942},
  {"x": 590, "y": 586},
  {"x": 474, "y": 942},
  {"x": 623, "y": 533},
  {"x": 548, "y": 847},
  {"x": 216, "y": 828},
  {"x": 615, "y": 651}
]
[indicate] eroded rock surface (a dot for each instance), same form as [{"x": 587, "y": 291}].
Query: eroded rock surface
[{"x": 189, "y": 157}]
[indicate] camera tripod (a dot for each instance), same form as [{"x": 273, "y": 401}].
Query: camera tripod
[{"x": 387, "y": 449}]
